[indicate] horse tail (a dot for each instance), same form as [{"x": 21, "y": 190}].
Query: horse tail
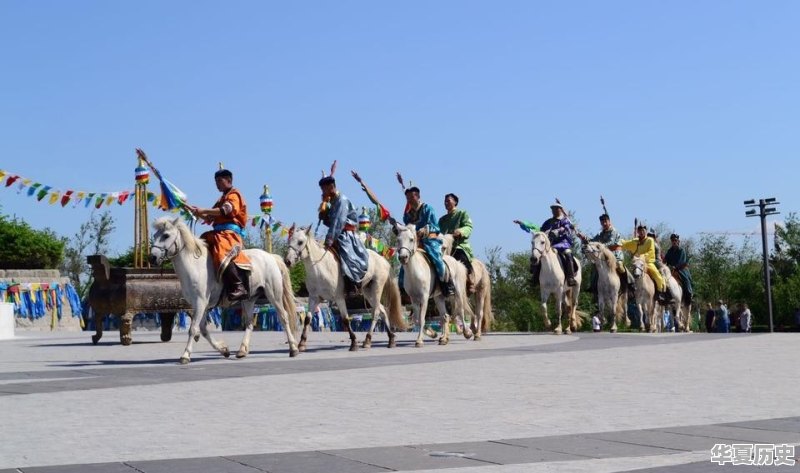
[
  {"x": 488, "y": 315},
  {"x": 392, "y": 291},
  {"x": 287, "y": 297}
]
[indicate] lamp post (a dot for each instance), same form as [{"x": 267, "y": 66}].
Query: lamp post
[{"x": 765, "y": 207}]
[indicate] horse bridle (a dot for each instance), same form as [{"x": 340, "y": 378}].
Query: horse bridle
[
  {"x": 166, "y": 251},
  {"x": 409, "y": 250}
]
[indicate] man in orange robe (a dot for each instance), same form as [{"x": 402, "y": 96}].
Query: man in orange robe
[{"x": 228, "y": 217}]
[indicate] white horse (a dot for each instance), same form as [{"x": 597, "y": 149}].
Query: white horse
[
  {"x": 420, "y": 283},
  {"x": 483, "y": 291},
  {"x": 552, "y": 281},
  {"x": 195, "y": 269},
  {"x": 645, "y": 289},
  {"x": 324, "y": 281},
  {"x": 681, "y": 313},
  {"x": 611, "y": 302}
]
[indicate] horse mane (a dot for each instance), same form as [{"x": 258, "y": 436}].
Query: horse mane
[
  {"x": 191, "y": 243},
  {"x": 608, "y": 255}
]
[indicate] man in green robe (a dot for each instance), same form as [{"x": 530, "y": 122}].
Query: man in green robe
[{"x": 456, "y": 222}]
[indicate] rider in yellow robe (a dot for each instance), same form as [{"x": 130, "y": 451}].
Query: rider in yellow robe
[{"x": 645, "y": 246}]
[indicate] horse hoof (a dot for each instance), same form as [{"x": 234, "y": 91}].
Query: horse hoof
[
  {"x": 366, "y": 345},
  {"x": 444, "y": 341},
  {"x": 226, "y": 353},
  {"x": 431, "y": 333},
  {"x": 302, "y": 346},
  {"x": 557, "y": 331},
  {"x": 477, "y": 338},
  {"x": 613, "y": 330},
  {"x": 197, "y": 338},
  {"x": 293, "y": 352},
  {"x": 567, "y": 332},
  {"x": 468, "y": 335},
  {"x": 184, "y": 360},
  {"x": 392, "y": 343},
  {"x": 165, "y": 337},
  {"x": 95, "y": 339},
  {"x": 419, "y": 344},
  {"x": 354, "y": 347},
  {"x": 241, "y": 354}
]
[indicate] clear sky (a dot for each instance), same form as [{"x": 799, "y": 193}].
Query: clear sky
[{"x": 675, "y": 111}]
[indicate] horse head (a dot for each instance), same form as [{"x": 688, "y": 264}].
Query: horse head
[
  {"x": 592, "y": 251},
  {"x": 298, "y": 245},
  {"x": 167, "y": 242},
  {"x": 447, "y": 243},
  {"x": 406, "y": 241},
  {"x": 540, "y": 244},
  {"x": 639, "y": 266}
]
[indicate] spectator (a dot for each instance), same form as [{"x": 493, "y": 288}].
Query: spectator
[
  {"x": 723, "y": 322},
  {"x": 709, "y": 317},
  {"x": 745, "y": 319}
]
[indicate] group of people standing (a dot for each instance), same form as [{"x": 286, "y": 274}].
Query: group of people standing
[{"x": 721, "y": 320}]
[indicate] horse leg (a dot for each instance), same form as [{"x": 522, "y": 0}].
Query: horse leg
[
  {"x": 392, "y": 336},
  {"x": 313, "y": 306},
  {"x": 220, "y": 346},
  {"x": 194, "y": 329},
  {"x": 247, "y": 313},
  {"x": 421, "y": 307},
  {"x": 346, "y": 320},
  {"x": 559, "y": 306},
  {"x": 98, "y": 327},
  {"x": 477, "y": 320},
  {"x": 547, "y": 323},
  {"x": 375, "y": 304},
  {"x": 441, "y": 306},
  {"x": 288, "y": 320}
]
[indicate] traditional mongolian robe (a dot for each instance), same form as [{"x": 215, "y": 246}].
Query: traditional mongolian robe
[
  {"x": 458, "y": 220},
  {"x": 425, "y": 218},
  {"x": 676, "y": 258},
  {"x": 342, "y": 222},
  {"x": 646, "y": 248},
  {"x": 225, "y": 240},
  {"x": 561, "y": 233}
]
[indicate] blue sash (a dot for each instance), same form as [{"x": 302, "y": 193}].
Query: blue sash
[{"x": 221, "y": 227}]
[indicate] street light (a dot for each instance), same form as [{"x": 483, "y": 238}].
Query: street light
[{"x": 762, "y": 212}]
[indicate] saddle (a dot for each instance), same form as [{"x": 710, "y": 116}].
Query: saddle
[{"x": 574, "y": 263}]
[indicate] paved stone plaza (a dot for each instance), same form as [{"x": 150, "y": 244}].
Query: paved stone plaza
[{"x": 510, "y": 403}]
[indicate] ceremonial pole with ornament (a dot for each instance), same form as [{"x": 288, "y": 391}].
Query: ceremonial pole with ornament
[
  {"x": 266, "y": 209},
  {"x": 141, "y": 230}
]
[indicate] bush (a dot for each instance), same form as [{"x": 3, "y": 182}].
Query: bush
[{"x": 22, "y": 247}]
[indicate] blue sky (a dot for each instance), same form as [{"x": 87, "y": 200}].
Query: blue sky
[{"x": 675, "y": 111}]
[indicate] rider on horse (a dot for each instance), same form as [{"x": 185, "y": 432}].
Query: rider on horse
[
  {"x": 560, "y": 231},
  {"x": 342, "y": 222},
  {"x": 610, "y": 237},
  {"x": 457, "y": 223},
  {"x": 228, "y": 217},
  {"x": 645, "y": 246},
  {"x": 678, "y": 261},
  {"x": 423, "y": 216}
]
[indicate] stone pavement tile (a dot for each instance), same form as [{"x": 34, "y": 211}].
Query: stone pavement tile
[
  {"x": 305, "y": 462},
  {"x": 784, "y": 424},
  {"x": 658, "y": 438},
  {"x": 192, "y": 465},
  {"x": 582, "y": 447},
  {"x": 90, "y": 468},
  {"x": 406, "y": 458},
  {"x": 737, "y": 434},
  {"x": 708, "y": 467},
  {"x": 499, "y": 452}
]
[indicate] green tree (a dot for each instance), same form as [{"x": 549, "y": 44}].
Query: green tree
[
  {"x": 92, "y": 238},
  {"x": 22, "y": 247}
]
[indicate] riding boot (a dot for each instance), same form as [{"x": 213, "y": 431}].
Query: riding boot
[
  {"x": 233, "y": 283},
  {"x": 351, "y": 288},
  {"x": 569, "y": 269},
  {"x": 447, "y": 288},
  {"x": 470, "y": 279},
  {"x": 535, "y": 269}
]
